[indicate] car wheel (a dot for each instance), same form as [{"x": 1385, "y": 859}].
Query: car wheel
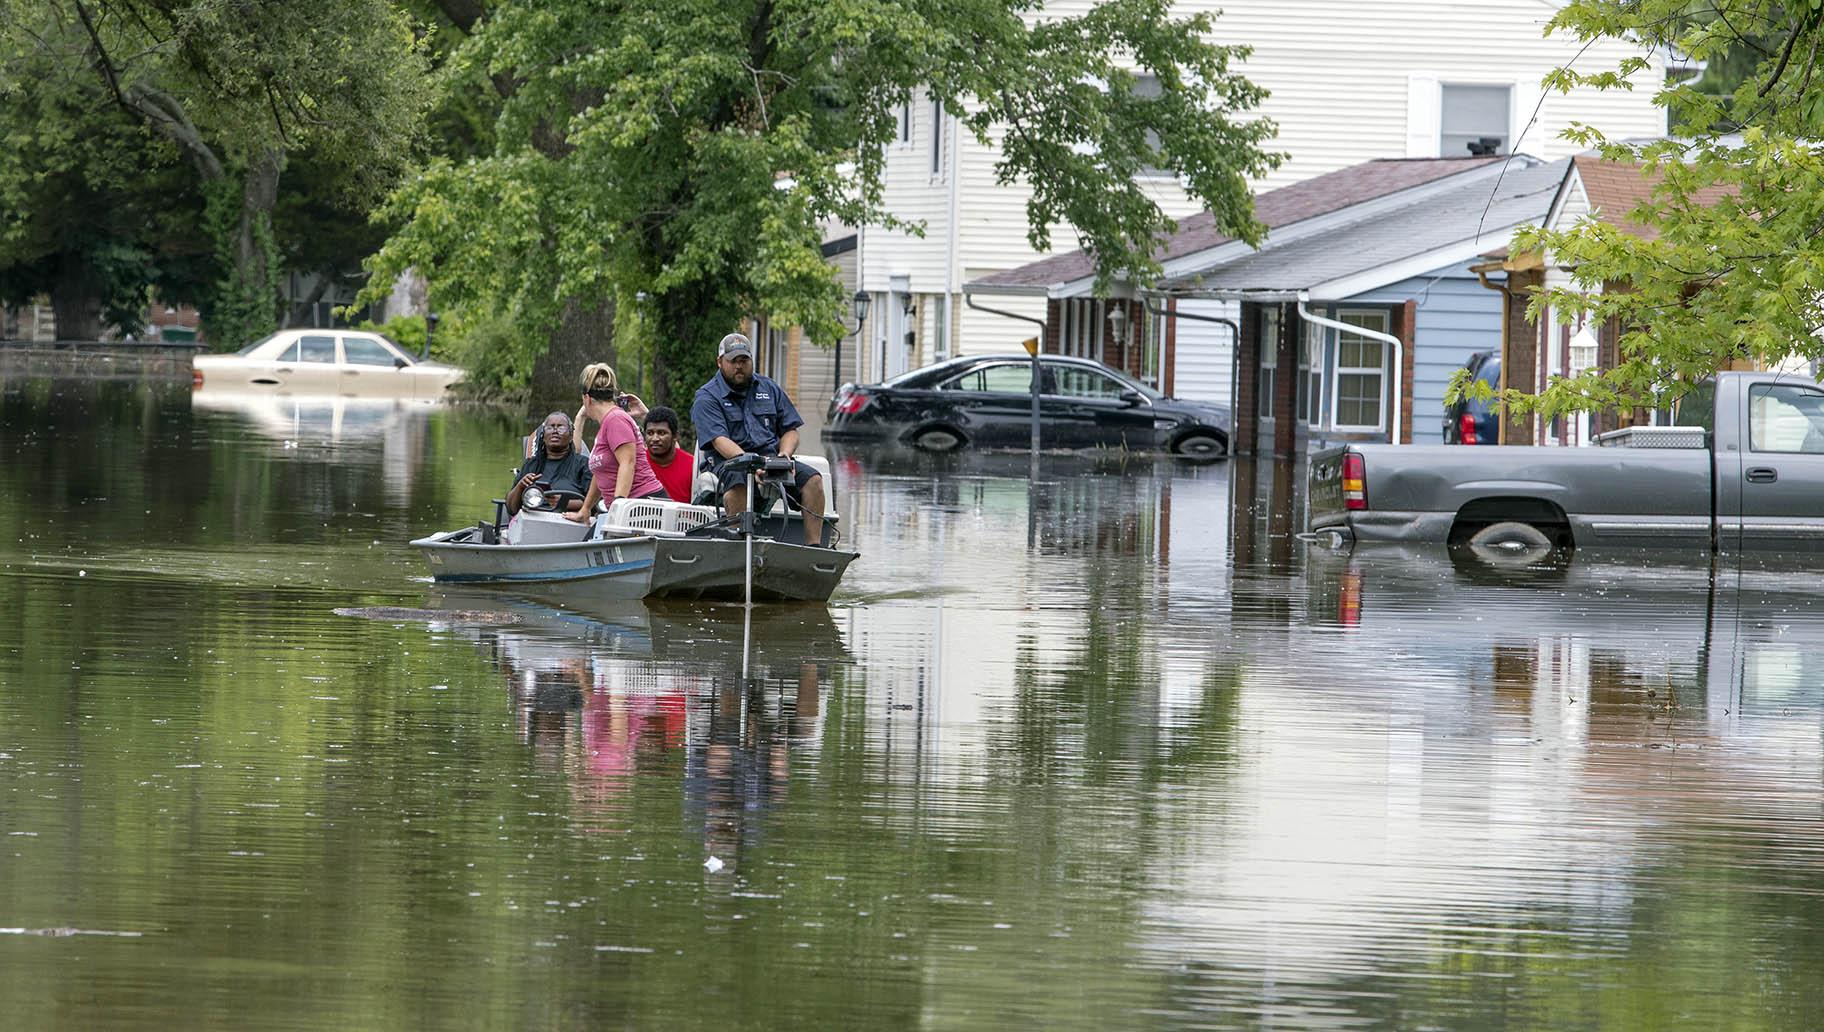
[
  {"x": 1510, "y": 543},
  {"x": 1200, "y": 446},
  {"x": 938, "y": 439}
]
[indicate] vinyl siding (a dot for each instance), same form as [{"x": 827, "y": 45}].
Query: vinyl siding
[
  {"x": 1456, "y": 317},
  {"x": 1205, "y": 353},
  {"x": 1342, "y": 77}
]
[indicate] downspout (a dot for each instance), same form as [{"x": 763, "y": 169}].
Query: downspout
[
  {"x": 1234, "y": 338},
  {"x": 955, "y": 144},
  {"x": 1399, "y": 354},
  {"x": 1507, "y": 293}
]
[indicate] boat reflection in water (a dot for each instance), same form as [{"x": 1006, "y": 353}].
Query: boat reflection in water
[{"x": 626, "y": 691}]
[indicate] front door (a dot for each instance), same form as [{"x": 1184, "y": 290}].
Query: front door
[
  {"x": 1782, "y": 469},
  {"x": 1087, "y": 408},
  {"x": 897, "y": 348}
]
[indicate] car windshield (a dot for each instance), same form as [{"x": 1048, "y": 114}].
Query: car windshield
[{"x": 256, "y": 345}]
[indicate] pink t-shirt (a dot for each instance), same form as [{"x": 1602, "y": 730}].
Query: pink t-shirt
[{"x": 618, "y": 429}]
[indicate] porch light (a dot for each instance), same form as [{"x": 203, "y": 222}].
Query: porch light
[
  {"x": 1117, "y": 321},
  {"x": 861, "y": 300}
]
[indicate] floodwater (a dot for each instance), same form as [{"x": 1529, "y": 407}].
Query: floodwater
[{"x": 1086, "y": 752}]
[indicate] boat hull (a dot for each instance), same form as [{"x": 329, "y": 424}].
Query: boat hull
[{"x": 642, "y": 567}]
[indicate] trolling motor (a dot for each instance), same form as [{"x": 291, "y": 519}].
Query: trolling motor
[{"x": 769, "y": 472}]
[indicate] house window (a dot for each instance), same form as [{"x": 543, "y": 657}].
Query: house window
[
  {"x": 1468, "y": 115},
  {"x": 1310, "y": 373},
  {"x": 937, "y": 137},
  {"x": 905, "y": 122},
  {"x": 1269, "y": 360},
  {"x": 1361, "y": 373},
  {"x": 1147, "y": 86}
]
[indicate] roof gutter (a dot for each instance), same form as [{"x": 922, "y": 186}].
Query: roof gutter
[
  {"x": 1399, "y": 354},
  {"x": 1007, "y": 289}
]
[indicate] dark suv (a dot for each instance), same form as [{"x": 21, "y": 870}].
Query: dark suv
[{"x": 1474, "y": 422}]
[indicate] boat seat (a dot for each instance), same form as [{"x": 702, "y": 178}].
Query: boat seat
[{"x": 706, "y": 493}]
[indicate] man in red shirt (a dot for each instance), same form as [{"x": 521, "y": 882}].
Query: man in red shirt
[{"x": 671, "y": 462}]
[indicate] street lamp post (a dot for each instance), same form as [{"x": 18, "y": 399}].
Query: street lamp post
[{"x": 861, "y": 300}]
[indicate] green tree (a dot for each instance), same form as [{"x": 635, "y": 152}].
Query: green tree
[
  {"x": 88, "y": 205},
  {"x": 236, "y": 88},
  {"x": 1733, "y": 269},
  {"x": 671, "y": 162}
]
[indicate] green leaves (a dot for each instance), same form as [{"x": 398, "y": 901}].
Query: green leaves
[
  {"x": 693, "y": 150},
  {"x": 1723, "y": 263}
]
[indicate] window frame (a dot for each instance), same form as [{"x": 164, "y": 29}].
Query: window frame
[
  {"x": 335, "y": 349},
  {"x": 1338, "y": 371},
  {"x": 938, "y": 154},
  {"x": 1507, "y": 127},
  {"x": 1768, "y": 390},
  {"x": 1268, "y": 346},
  {"x": 382, "y": 343},
  {"x": 982, "y": 371},
  {"x": 1053, "y": 383}
]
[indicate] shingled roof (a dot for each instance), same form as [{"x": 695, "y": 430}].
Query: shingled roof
[
  {"x": 1275, "y": 209},
  {"x": 1616, "y": 188}
]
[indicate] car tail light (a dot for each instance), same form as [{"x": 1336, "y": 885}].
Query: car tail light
[
  {"x": 196, "y": 378},
  {"x": 1355, "y": 482},
  {"x": 1466, "y": 429},
  {"x": 853, "y": 402}
]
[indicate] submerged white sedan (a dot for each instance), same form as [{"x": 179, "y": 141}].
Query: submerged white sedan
[{"x": 327, "y": 362}]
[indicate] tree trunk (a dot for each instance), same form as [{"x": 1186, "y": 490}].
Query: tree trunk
[
  {"x": 259, "y": 195},
  {"x": 583, "y": 335},
  {"x": 75, "y": 301}
]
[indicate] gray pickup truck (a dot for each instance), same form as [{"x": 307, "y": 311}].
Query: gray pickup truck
[{"x": 1741, "y": 468}]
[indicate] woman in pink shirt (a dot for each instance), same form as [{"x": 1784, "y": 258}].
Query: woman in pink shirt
[{"x": 617, "y": 461}]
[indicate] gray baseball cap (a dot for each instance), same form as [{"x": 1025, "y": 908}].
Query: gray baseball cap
[{"x": 735, "y": 345}]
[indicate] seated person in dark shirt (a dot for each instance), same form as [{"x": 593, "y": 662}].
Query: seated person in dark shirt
[{"x": 557, "y": 465}]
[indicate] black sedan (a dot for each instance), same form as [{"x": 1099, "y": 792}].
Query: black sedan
[{"x": 985, "y": 401}]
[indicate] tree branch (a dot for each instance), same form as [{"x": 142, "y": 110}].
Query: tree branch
[{"x": 1786, "y": 54}]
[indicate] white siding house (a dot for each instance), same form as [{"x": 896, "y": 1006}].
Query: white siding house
[{"x": 1349, "y": 81}]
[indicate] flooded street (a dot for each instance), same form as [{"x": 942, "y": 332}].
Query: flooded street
[{"x": 1085, "y": 752}]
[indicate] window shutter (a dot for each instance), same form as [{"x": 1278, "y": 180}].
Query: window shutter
[{"x": 1422, "y": 116}]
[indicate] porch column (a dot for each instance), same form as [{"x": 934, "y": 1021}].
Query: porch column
[
  {"x": 1520, "y": 350},
  {"x": 1285, "y": 384},
  {"x": 1244, "y": 434},
  {"x": 1408, "y": 332},
  {"x": 1168, "y": 372}
]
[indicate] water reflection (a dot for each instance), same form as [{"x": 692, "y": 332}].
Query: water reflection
[
  {"x": 600, "y": 697},
  {"x": 1106, "y": 747}
]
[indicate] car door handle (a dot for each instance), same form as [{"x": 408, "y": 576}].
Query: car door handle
[{"x": 1763, "y": 475}]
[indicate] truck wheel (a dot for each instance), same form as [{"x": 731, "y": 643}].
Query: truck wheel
[
  {"x": 1510, "y": 543},
  {"x": 938, "y": 440}
]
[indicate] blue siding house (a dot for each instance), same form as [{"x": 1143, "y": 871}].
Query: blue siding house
[{"x": 1351, "y": 316}]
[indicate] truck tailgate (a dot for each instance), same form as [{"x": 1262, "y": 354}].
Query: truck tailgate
[{"x": 1325, "y": 488}]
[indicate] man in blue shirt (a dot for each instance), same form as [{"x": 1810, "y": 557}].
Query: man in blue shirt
[{"x": 737, "y": 412}]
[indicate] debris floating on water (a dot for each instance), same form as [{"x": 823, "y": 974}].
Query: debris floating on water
[
  {"x": 712, "y": 865},
  {"x": 396, "y": 613}
]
